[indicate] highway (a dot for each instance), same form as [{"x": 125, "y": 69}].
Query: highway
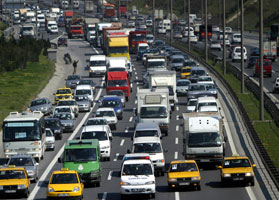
[{"x": 238, "y": 142}]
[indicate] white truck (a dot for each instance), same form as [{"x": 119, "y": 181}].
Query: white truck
[
  {"x": 155, "y": 63},
  {"x": 270, "y": 50},
  {"x": 165, "y": 79},
  {"x": 203, "y": 137},
  {"x": 89, "y": 6},
  {"x": 134, "y": 10},
  {"x": 153, "y": 106},
  {"x": 90, "y": 29},
  {"x": 28, "y": 30}
]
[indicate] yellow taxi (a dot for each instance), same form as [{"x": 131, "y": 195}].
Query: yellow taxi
[
  {"x": 184, "y": 173},
  {"x": 14, "y": 181},
  {"x": 66, "y": 184},
  {"x": 63, "y": 93},
  {"x": 237, "y": 169},
  {"x": 186, "y": 72}
]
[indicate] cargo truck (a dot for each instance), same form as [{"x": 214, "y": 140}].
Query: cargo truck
[
  {"x": 99, "y": 32},
  {"x": 136, "y": 37},
  {"x": 153, "y": 106},
  {"x": 270, "y": 50},
  {"x": 114, "y": 26},
  {"x": 89, "y": 6},
  {"x": 203, "y": 137},
  {"x": 89, "y": 29},
  {"x": 117, "y": 44}
]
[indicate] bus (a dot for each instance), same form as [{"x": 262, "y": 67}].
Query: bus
[
  {"x": 109, "y": 10},
  {"x": 24, "y": 133}
]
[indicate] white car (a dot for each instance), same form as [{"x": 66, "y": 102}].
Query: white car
[
  {"x": 228, "y": 30},
  {"x": 205, "y": 79},
  {"x": 149, "y": 23},
  {"x": 150, "y": 38},
  {"x": 63, "y": 109},
  {"x": 193, "y": 39},
  {"x": 236, "y": 54},
  {"x": 54, "y": 29},
  {"x": 131, "y": 24},
  {"x": 162, "y": 30},
  {"x": 50, "y": 139},
  {"x": 236, "y": 38},
  {"x": 220, "y": 36},
  {"x": 103, "y": 134},
  {"x": 276, "y": 85},
  {"x": 214, "y": 45},
  {"x": 227, "y": 42},
  {"x": 109, "y": 114},
  {"x": 191, "y": 105}
]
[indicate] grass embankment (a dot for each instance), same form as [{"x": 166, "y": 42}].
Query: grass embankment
[
  {"x": 3, "y": 26},
  {"x": 267, "y": 130},
  {"x": 19, "y": 87}
]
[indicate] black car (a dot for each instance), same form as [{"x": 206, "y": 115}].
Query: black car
[
  {"x": 252, "y": 61},
  {"x": 255, "y": 52},
  {"x": 55, "y": 125},
  {"x": 62, "y": 41}
]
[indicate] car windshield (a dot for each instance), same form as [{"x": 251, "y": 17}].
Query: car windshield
[
  {"x": 204, "y": 139},
  {"x": 192, "y": 103},
  {"x": 105, "y": 113},
  {"x": 51, "y": 123},
  {"x": 64, "y": 178},
  {"x": 116, "y": 92},
  {"x": 153, "y": 112},
  {"x": 117, "y": 69},
  {"x": 64, "y": 91},
  {"x": 197, "y": 88},
  {"x": 80, "y": 155},
  {"x": 187, "y": 70},
  {"x": 138, "y": 37},
  {"x": 210, "y": 87},
  {"x": 118, "y": 49},
  {"x": 147, "y": 148},
  {"x": 117, "y": 83},
  {"x": 183, "y": 83},
  {"x": 206, "y": 104},
  {"x": 265, "y": 63},
  {"x": 48, "y": 133},
  {"x": 111, "y": 103},
  {"x": 73, "y": 77},
  {"x": 136, "y": 169},
  {"x": 12, "y": 174},
  {"x": 86, "y": 82},
  {"x": 156, "y": 64},
  {"x": 38, "y": 102},
  {"x": 199, "y": 72},
  {"x": 21, "y": 162},
  {"x": 147, "y": 133},
  {"x": 183, "y": 167},
  {"x": 67, "y": 103},
  {"x": 96, "y": 122},
  {"x": 83, "y": 92},
  {"x": 63, "y": 116},
  {"x": 205, "y": 78},
  {"x": 63, "y": 109},
  {"x": 99, "y": 135},
  {"x": 98, "y": 63},
  {"x": 236, "y": 163},
  {"x": 81, "y": 98},
  {"x": 177, "y": 60}
]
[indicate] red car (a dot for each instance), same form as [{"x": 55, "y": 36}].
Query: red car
[{"x": 267, "y": 68}]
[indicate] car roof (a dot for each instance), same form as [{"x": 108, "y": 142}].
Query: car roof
[
  {"x": 207, "y": 99},
  {"x": 97, "y": 57},
  {"x": 81, "y": 87},
  {"x": 107, "y": 98},
  {"x": 147, "y": 140},
  {"x": 147, "y": 126},
  {"x": 94, "y": 128},
  {"x": 177, "y": 56},
  {"x": 182, "y": 161},
  {"x": 21, "y": 156},
  {"x": 105, "y": 109}
]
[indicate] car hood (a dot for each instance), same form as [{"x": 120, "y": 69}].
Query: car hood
[
  {"x": 82, "y": 167},
  {"x": 237, "y": 170},
  {"x": 38, "y": 107},
  {"x": 183, "y": 174},
  {"x": 67, "y": 121}
]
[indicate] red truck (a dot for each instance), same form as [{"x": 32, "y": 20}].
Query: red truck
[
  {"x": 68, "y": 16},
  {"x": 76, "y": 31},
  {"x": 136, "y": 37},
  {"x": 109, "y": 10},
  {"x": 123, "y": 11},
  {"x": 119, "y": 81}
]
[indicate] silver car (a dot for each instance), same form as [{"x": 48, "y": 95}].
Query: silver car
[
  {"x": 67, "y": 121},
  {"x": 182, "y": 87},
  {"x": 50, "y": 139},
  {"x": 196, "y": 90},
  {"x": 72, "y": 81},
  {"x": 28, "y": 162},
  {"x": 41, "y": 104},
  {"x": 83, "y": 102}
]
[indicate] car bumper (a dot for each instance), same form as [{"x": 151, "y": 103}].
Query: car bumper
[
  {"x": 14, "y": 192},
  {"x": 64, "y": 195},
  {"x": 205, "y": 159},
  {"x": 238, "y": 179},
  {"x": 50, "y": 145},
  {"x": 97, "y": 73},
  {"x": 105, "y": 153},
  {"x": 137, "y": 189},
  {"x": 83, "y": 108},
  {"x": 183, "y": 183},
  {"x": 164, "y": 128}
]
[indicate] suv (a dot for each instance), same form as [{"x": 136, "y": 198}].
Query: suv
[
  {"x": 276, "y": 85},
  {"x": 150, "y": 129},
  {"x": 84, "y": 157}
]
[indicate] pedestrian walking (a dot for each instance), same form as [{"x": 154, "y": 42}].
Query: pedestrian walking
[{"x": 75, "y": 66}]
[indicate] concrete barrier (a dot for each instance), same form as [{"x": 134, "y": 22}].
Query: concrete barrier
[
  {"x": 52, "y": 54},
  {"x": 9, "y": 32}
]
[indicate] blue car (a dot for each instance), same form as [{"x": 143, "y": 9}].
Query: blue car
[{"x": 115, "y": 103}]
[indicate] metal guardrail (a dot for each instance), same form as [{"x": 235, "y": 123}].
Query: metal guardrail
[{"x": 271, "y": 107}]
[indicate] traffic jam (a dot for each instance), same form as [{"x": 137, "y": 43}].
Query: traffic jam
[{"x": 136, "y": 90}]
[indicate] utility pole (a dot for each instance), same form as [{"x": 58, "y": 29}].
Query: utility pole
[
  {"x": 84, "y": 8},
  {"x": 224, "y": 34},
  {"x": 261, "y": 61},
  {"x": 36, "y": 10},
  {"x": 127, "y": 12},
  {"x": 153, "y": 23},
  {"x": 206, "y": 37},
  {"x": 184, "y": 9},
  {"x": 189, "y": 10},
  {"x": 103, "y": 12},
  {"x": 137, "y": 7},
  {"x": 171, "y": 26},
  {"x": 242, "y": 47},
  {"x": 118, "y": 10}
]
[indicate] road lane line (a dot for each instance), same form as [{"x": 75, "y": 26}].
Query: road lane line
[
  {"x": 122, "y": 142},
  {"x": 136, "y": 77},
  {"x": 131, "y": 119},
  {"x": 176, "y": 140},
  {"x": 116, "y": 157},
  {"x": 175, "y": 155},
  {"x": 136, "y": 73},
  {"x": 104, "y": 196},
  {"x": 59, "y": 153},
  {"x": 177, "y": 196},
  {"x": 177, "y": 128},
  {"x": 177, "y": 108},
  {"x": 109, "y": 175},
  {"x": 127, "y": 130},
  {"x": 177, "y": 117}
]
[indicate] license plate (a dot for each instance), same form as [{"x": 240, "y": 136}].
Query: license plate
[
  {"x": 184, "y": 183},
  {"x": 63, "y": 195},
  {"x": 204, "y": 160},
  {"x": 137, "y": 190},
  {"x": 238, "y": 179},
  {"x": 10, "y": 191}
]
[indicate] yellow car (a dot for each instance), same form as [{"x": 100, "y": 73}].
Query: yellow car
[
  {"x": 65, "y": 183},
  {"x": 237, "y": 169},
  {"x": 184, "y": 173},
  {"x": 14, "y": 181},
  {"x": 63, "y": 93},
  {"x": 185, "y": 72}
]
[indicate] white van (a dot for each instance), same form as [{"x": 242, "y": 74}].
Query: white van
[
  {"x": 76, "y": 4},
  {"x": 137, "y": 177},
  {"x": 206, "y": 101},
  {"x": 103, "y": 134},
  {"x": 147, "y": 129},
  {"x": 142, "y": 47},
  {"x": 167, "y": 24},
  {"x": 236, "y": 38},
  {"x": 97, "y": 65},
  {"x": 85, "y": 90}
]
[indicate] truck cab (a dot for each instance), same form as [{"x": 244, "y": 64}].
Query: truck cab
[{"x": 97, "y": 65}]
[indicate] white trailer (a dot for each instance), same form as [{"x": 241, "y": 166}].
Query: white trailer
[{"x": 270, "y": 50}]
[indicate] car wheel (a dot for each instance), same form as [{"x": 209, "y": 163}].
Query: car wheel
[
  {"x": 108, "y": 158},
  {"x": 26, "y": 195},
  {"x": 123, "y": 196},
  {"x": 98, "y": 184},
  {"x": 152, "y": 196},
  {"x": 252, "y": 183},
  {"x": 198, "y": 188},
  {"x": 167, "y": 133}
]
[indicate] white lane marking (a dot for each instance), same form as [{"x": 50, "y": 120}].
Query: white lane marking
[
  {"x": 104, "y": 196},
  {"x": 175, "y": 155},
  {"x": 177, "y": 127},
  {"x": 127, "y": 130},
  {"x": 177, "y": 117},
  {"x": 109, "y": 175},
  {"x": 136, "y": 77},
  {"x": 177, "y": 196},
  {"x": 176, "y": 140},
  {"x": 122, "y": 142},
  {"x": 136, "y": 101},
  {"x": 177, "y": 108},
  {"x": 131, "y": 119},
  {"x": 136, "y": 73},
  {"x": 116, "y": 157},
  {"x": 134, "y": 68},
  {"x": 59, "y": 153}
]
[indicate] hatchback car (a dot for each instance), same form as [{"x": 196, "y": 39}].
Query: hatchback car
[
  {"x": 267, "y": 68},
  {"x": 50, "y": 139},
  {"x": 118, "y": 93},
  {"x": 72, "y": 81},
  {"x": 41, "y": 104},
  {"x": 55, "y": 125},
  {"x": 83, "y": 102},
  {"x": 67, "y": 121}
]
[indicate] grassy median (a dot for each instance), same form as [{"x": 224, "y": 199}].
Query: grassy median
[{"x": 19, "y": 87}]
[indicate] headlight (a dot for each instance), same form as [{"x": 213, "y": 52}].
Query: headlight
[
  {"x": 227, "y": 175},
  {"x": 1, "y": 187},
  {"x": 104, "y": 147},
  {"x": 249, "y": 174},
  {"x": 21, "y": 187},
  {"x": 44, "y": 108},
  {"x": 125, "y": 183},
  {"x": 118, "y": 111},
  {"x": 30, "y": 172},
  {"x": 172, "y": 179},
  {"x": 7, "y": 150},
  {"x": 196, "y": 178},
  {"x": 50, "y": 190},
  {"x": 94, "y": 173},
  {"x": 76, "y": 189},
  {"x": 56, "y": 131},
  {"x": 149, "y": 183}
]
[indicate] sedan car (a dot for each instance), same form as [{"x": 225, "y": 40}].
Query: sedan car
[
  {"x": 131, "y": 24},
  {"x": 196, "y": 90},
  {"x": 191, "y": 105},
  {"x": 55, "y": 125},
  {"x": 83, "y": 102},
  {"x": 41, "y": 104},
  {"x": 177, "y": 62},
  {"x": 118, "y": 93},
  {"x": 182, "y": 87},
  {"x": 96, "y": 121},
  {"x": 62, "y": 41},
  {"x": 50, "y": 139},
  {"x": 67, "y": 121},
  {"x": 214, "y": 45},
  {"x": 28, "y": 162},
  {"x": 109, "y": 115},
  {"x": 72, "y": 81},
  {"x": 54, "y": 29},
  {"x": 88, "y": 82}
]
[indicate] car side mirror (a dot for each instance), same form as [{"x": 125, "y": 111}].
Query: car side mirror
[
  {"x": 254, "y": 165},
  {"x": 219, "y": 167},
  {"x": 165, "y": 150},
  {"x": 110, "y": 138},
  {"x": 132, "y": 138},
  {"x": 59, "y": 160},
  {"x": 36, "y": 164},
  {"x": 128, "y": 151}
]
